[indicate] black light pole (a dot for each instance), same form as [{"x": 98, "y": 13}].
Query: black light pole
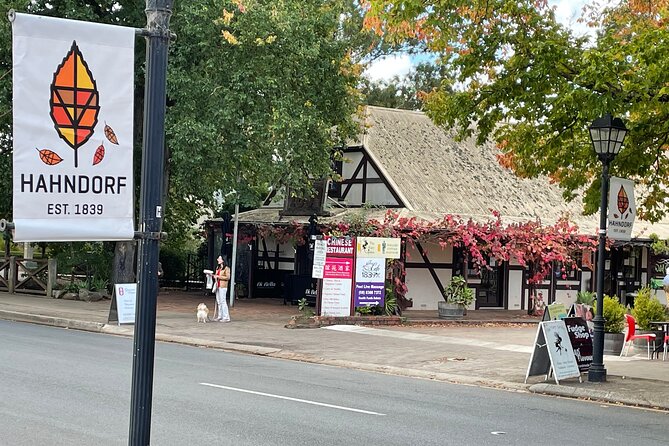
[
  {"x": 607, "y": 135},
  {"x": 158, "y": 35}
]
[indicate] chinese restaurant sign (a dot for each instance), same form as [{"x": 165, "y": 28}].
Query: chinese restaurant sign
[
  {"x": 73, "y": 130},
  {"x": 338, "y": 277}
]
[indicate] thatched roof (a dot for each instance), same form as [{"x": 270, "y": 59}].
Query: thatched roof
[{"x": 435, "y": 175}]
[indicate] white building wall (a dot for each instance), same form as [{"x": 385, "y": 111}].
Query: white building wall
[
  {"x": 350, "y": 163},
  {"x": 586, "y": 278},
  {"x": 515, "y": 288},
  {"x": 379, "y": 194},
  {"x": 285, "y": 250},
  {"x": 420, "y": 284}
]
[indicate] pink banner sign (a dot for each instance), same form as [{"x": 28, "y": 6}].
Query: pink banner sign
[{"x": 338, "y": 268}]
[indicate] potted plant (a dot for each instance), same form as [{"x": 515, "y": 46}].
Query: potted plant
[
  {"x": 646, "y": 310},
  {"x": 457, "y": 297},
  {"x": 614, "y": 323}
]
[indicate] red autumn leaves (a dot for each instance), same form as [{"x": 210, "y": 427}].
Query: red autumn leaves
[
  {"x": 51, "y": 158},
  {"x": 74, "y": 108}
]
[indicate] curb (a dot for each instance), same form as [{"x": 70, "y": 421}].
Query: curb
[
  {"x": 596, "y": 395},
  {"x": 52, "y": 321}
]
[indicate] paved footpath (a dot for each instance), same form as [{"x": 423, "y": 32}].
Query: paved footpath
[{"x": 492, "y": 348}]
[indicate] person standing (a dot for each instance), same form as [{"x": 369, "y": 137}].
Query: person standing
[{"x": 222, "y": 274}]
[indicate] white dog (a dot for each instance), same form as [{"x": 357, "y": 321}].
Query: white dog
[{"x": 202, "y": 313}]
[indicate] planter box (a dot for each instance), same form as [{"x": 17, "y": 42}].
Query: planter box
[
  {"x": 613, "y": 343},
  {"x": 448, "y": 310}
]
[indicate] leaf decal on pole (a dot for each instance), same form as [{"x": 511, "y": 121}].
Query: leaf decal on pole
[
  {"x": 111, "y": 136},
  {"x": 99, "y": 154},
  {"x": 49, "y": 157},
  {"x": 74, "y": 100}
]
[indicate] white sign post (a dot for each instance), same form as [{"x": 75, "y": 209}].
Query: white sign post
[
  {"x": 73, "y": 87},
  {"x": 126, "y": 299}
]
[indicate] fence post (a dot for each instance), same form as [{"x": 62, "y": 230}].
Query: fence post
[
  {"x": 12, "y": 274},
  {"x": 52, "y": 274}
]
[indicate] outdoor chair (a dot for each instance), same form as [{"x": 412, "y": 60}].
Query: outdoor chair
[
  {"x": 631, "y": 336},
  {"x": 666, "y": 339}
]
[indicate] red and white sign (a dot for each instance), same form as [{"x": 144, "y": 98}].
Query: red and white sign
[
  {"x": 341, "y": 246},
  {"x": 338, "y": 268},
  {"x": 338, "y": 272}
]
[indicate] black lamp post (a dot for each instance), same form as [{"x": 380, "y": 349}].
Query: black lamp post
[{"x": 607, "y": 135}]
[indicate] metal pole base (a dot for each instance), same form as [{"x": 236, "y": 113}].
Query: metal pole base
[{"x": 597, "y": 374}]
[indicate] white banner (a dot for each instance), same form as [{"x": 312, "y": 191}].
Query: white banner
[
  {"x": 73, "y": 130},
  {"x": 622, "y": 209}
]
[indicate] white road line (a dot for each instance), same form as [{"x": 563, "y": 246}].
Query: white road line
[{"x": 315, "y": 403}]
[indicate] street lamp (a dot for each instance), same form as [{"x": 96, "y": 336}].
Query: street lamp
[{"x": 607, "y": 135}]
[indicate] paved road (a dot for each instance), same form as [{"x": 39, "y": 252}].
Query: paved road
[{"x": 62, "y": 387}]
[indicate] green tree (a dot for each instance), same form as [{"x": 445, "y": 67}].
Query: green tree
[
  {"x": 406, "y": 92},
  {"x": 259, "y": 92},
  {"x": 534, "y": 85}
]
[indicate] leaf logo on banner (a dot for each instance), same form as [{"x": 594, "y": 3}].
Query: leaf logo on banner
[
  {"x": 74, "y": 100},
  {"x": 111, "y": 136},
  {"x": 623, "y": 200},
  {"x": 49, "y": 157},
  {"x": 99, "y": 154}
]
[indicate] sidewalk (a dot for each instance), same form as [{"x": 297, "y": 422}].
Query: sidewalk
[{"x": 491, "y": 348}]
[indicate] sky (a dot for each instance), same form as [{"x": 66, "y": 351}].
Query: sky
[{"x": 567, "y": 11}]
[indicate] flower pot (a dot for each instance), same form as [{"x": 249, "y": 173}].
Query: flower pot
[
  {"x": 613, "y": 343},
  {"x": 448, "y": 310}
]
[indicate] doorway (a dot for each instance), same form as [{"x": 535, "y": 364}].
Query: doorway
[{"x": 489, "y": 293}]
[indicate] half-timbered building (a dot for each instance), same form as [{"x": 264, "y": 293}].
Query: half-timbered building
[{"x": 405, "y": 162}]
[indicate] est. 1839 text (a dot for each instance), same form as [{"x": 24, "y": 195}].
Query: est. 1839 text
[{"x": 74, "y": 209}]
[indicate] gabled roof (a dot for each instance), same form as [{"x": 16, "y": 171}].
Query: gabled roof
[{"x": 435, "y": 175}]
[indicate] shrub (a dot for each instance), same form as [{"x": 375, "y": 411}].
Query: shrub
[
  {"x": 458, "y": 292},
  {"x": 614, "y": 315},
  {"x": 647, "y": 309},
  {"x": 586, "y": 297}
]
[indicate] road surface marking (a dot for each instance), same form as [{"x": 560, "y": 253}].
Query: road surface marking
[{"x": 315, "y": 403}]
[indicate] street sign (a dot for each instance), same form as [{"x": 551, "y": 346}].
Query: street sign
[
  {"x": 336, "y": 289},
  {"x": 383, "y": 247},
  {"x": 581, "y": 342},
  {"x": 320, "y": 250},
  {"x": 123, "y": 302},
  {"x": 553, "y": 352},
  {"x": 370, "y": 277}
]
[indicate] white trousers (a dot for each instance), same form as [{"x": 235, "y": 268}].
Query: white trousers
[{"x": 222, "y": 305}]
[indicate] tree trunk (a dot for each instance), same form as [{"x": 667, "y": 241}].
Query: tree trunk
[{"x": 124, "y": 262}]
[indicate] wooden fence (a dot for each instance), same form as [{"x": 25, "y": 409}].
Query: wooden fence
[{"x": 28, "y": 276}]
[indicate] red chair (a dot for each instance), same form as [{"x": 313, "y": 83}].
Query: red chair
[
  {"x": 666, "y": 339},
  {"x": 631, "y": 328}
]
